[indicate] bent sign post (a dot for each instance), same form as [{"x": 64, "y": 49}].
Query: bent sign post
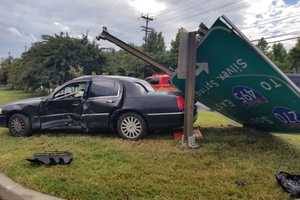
[{"x": 237, "y": 80}]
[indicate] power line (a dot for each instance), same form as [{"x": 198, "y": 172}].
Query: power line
[
  {"x": 282, "y": 40},
  {"x": 204, "y": 12},
  {"x": 261, "y": 34},
  {"x": 268, "y": 22},
  {"x": 264, "y": 22},
  {"x": 276, "y": 36},
  {"x": 287, "y": 39},
  {"x": 182, "y": 9}
]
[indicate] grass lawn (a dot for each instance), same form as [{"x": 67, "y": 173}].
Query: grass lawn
[
  {"x": 7, "y": 96},
  {"x": 232, "y": 163}
]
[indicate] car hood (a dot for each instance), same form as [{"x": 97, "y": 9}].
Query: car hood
[{"x": 25, "y": 101}]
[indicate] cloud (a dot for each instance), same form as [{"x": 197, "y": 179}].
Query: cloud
[
  {"x": 24, "y": 21},
  {"x": 15, "y": 31},
  {"x": 33, "y": 38},
  {"x": 256, "y": 19},
  {"x": 272, "y": 18},
  {"x": 62, "y": 27},
  {"x": 149, "y": 6}
]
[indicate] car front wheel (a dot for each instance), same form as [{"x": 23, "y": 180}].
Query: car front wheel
[
  {"x": 131, "y": 126},
  {"x": 19, "y": 125}
]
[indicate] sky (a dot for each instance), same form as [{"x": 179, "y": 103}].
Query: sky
[{"x": 22, "y": 22}]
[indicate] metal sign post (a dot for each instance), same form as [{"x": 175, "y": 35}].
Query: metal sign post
[{"x": 186, "y": 70}]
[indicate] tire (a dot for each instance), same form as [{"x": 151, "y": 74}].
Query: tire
[
  {"x": 131, "y": 126},
  {"x": 19, "y": 125}
]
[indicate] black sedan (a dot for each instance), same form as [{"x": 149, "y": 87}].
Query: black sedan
[{"x": 128, "y": 105}]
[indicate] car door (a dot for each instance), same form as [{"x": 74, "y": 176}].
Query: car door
[
  {"x": 63, "y": 110},
  {"x": 103, "y": 98}
]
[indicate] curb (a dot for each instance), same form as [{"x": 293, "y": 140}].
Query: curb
[{"x": 9, "y": 190}]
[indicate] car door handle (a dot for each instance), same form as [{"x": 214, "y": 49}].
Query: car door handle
[
  {"x": 109, "y": 101},
  {"x": 75, "y": 104}
]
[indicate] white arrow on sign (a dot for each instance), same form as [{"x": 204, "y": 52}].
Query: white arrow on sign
[{"x": 200, "y": 67}]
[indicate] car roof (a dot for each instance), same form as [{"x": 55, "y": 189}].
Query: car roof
[
  {"x": 293, "y": 75},
  {"x": 124, "y": 79},
  {"x": 92, "y": 77}
]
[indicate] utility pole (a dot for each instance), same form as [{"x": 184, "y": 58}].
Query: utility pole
[
  {"x": 146, "y": 28},
  {"x": 87, "y": 33},
  {"x": 9, "y": 57}
]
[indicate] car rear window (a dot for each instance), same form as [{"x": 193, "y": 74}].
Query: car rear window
[
  {"x": 102, "y": 88},
  {"x": 146, "y": 86},
  {"x": 141, "y": 88}
]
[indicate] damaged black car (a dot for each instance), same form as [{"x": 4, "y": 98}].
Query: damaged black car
[{"x": 128, "y": 105}]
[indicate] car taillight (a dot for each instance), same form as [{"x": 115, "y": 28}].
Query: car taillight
[{"x": 180, "y": 103}]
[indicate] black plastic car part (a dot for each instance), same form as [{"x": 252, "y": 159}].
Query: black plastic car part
[
  {"x": 52, "y": 158},
  {"x": 290, "y": 183}
]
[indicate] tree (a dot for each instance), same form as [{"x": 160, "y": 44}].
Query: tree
[
  {"x": 294, "y": 56},
  {"x": 174, "y": 51},
  {"x": 14, "y": 74},
  {"x": 3, "y": 75},
  {"x": 279, "y": 52},
  {"x": 4, "y": 66},
  {"x": 59, "y": 58},
  {"x": 155, "y": 43},
  {"x": 122, "y": 63},
  {"x": 155, "y": 46},
  {"x": 279, "y": 56},
  {"x": 263, "y": 45}
]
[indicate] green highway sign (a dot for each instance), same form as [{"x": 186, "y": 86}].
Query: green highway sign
[{"x": 237, "y": 80}]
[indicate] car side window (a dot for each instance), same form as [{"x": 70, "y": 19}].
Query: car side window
[
  {"x": 104, "y": 88},
  {"x": 73, "y": 90}
]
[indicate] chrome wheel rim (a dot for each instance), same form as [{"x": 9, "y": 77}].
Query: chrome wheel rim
[
  {"x": 131, "y": 127},
  {"x": 17, "y": 125}
]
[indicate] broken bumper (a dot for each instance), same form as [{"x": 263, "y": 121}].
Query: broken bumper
[{"x": 165, "y": 120}]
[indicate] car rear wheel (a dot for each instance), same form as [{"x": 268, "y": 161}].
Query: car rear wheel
[
  {"x": 19, "y": 125},
  {"x": 131, "y": 126}
]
